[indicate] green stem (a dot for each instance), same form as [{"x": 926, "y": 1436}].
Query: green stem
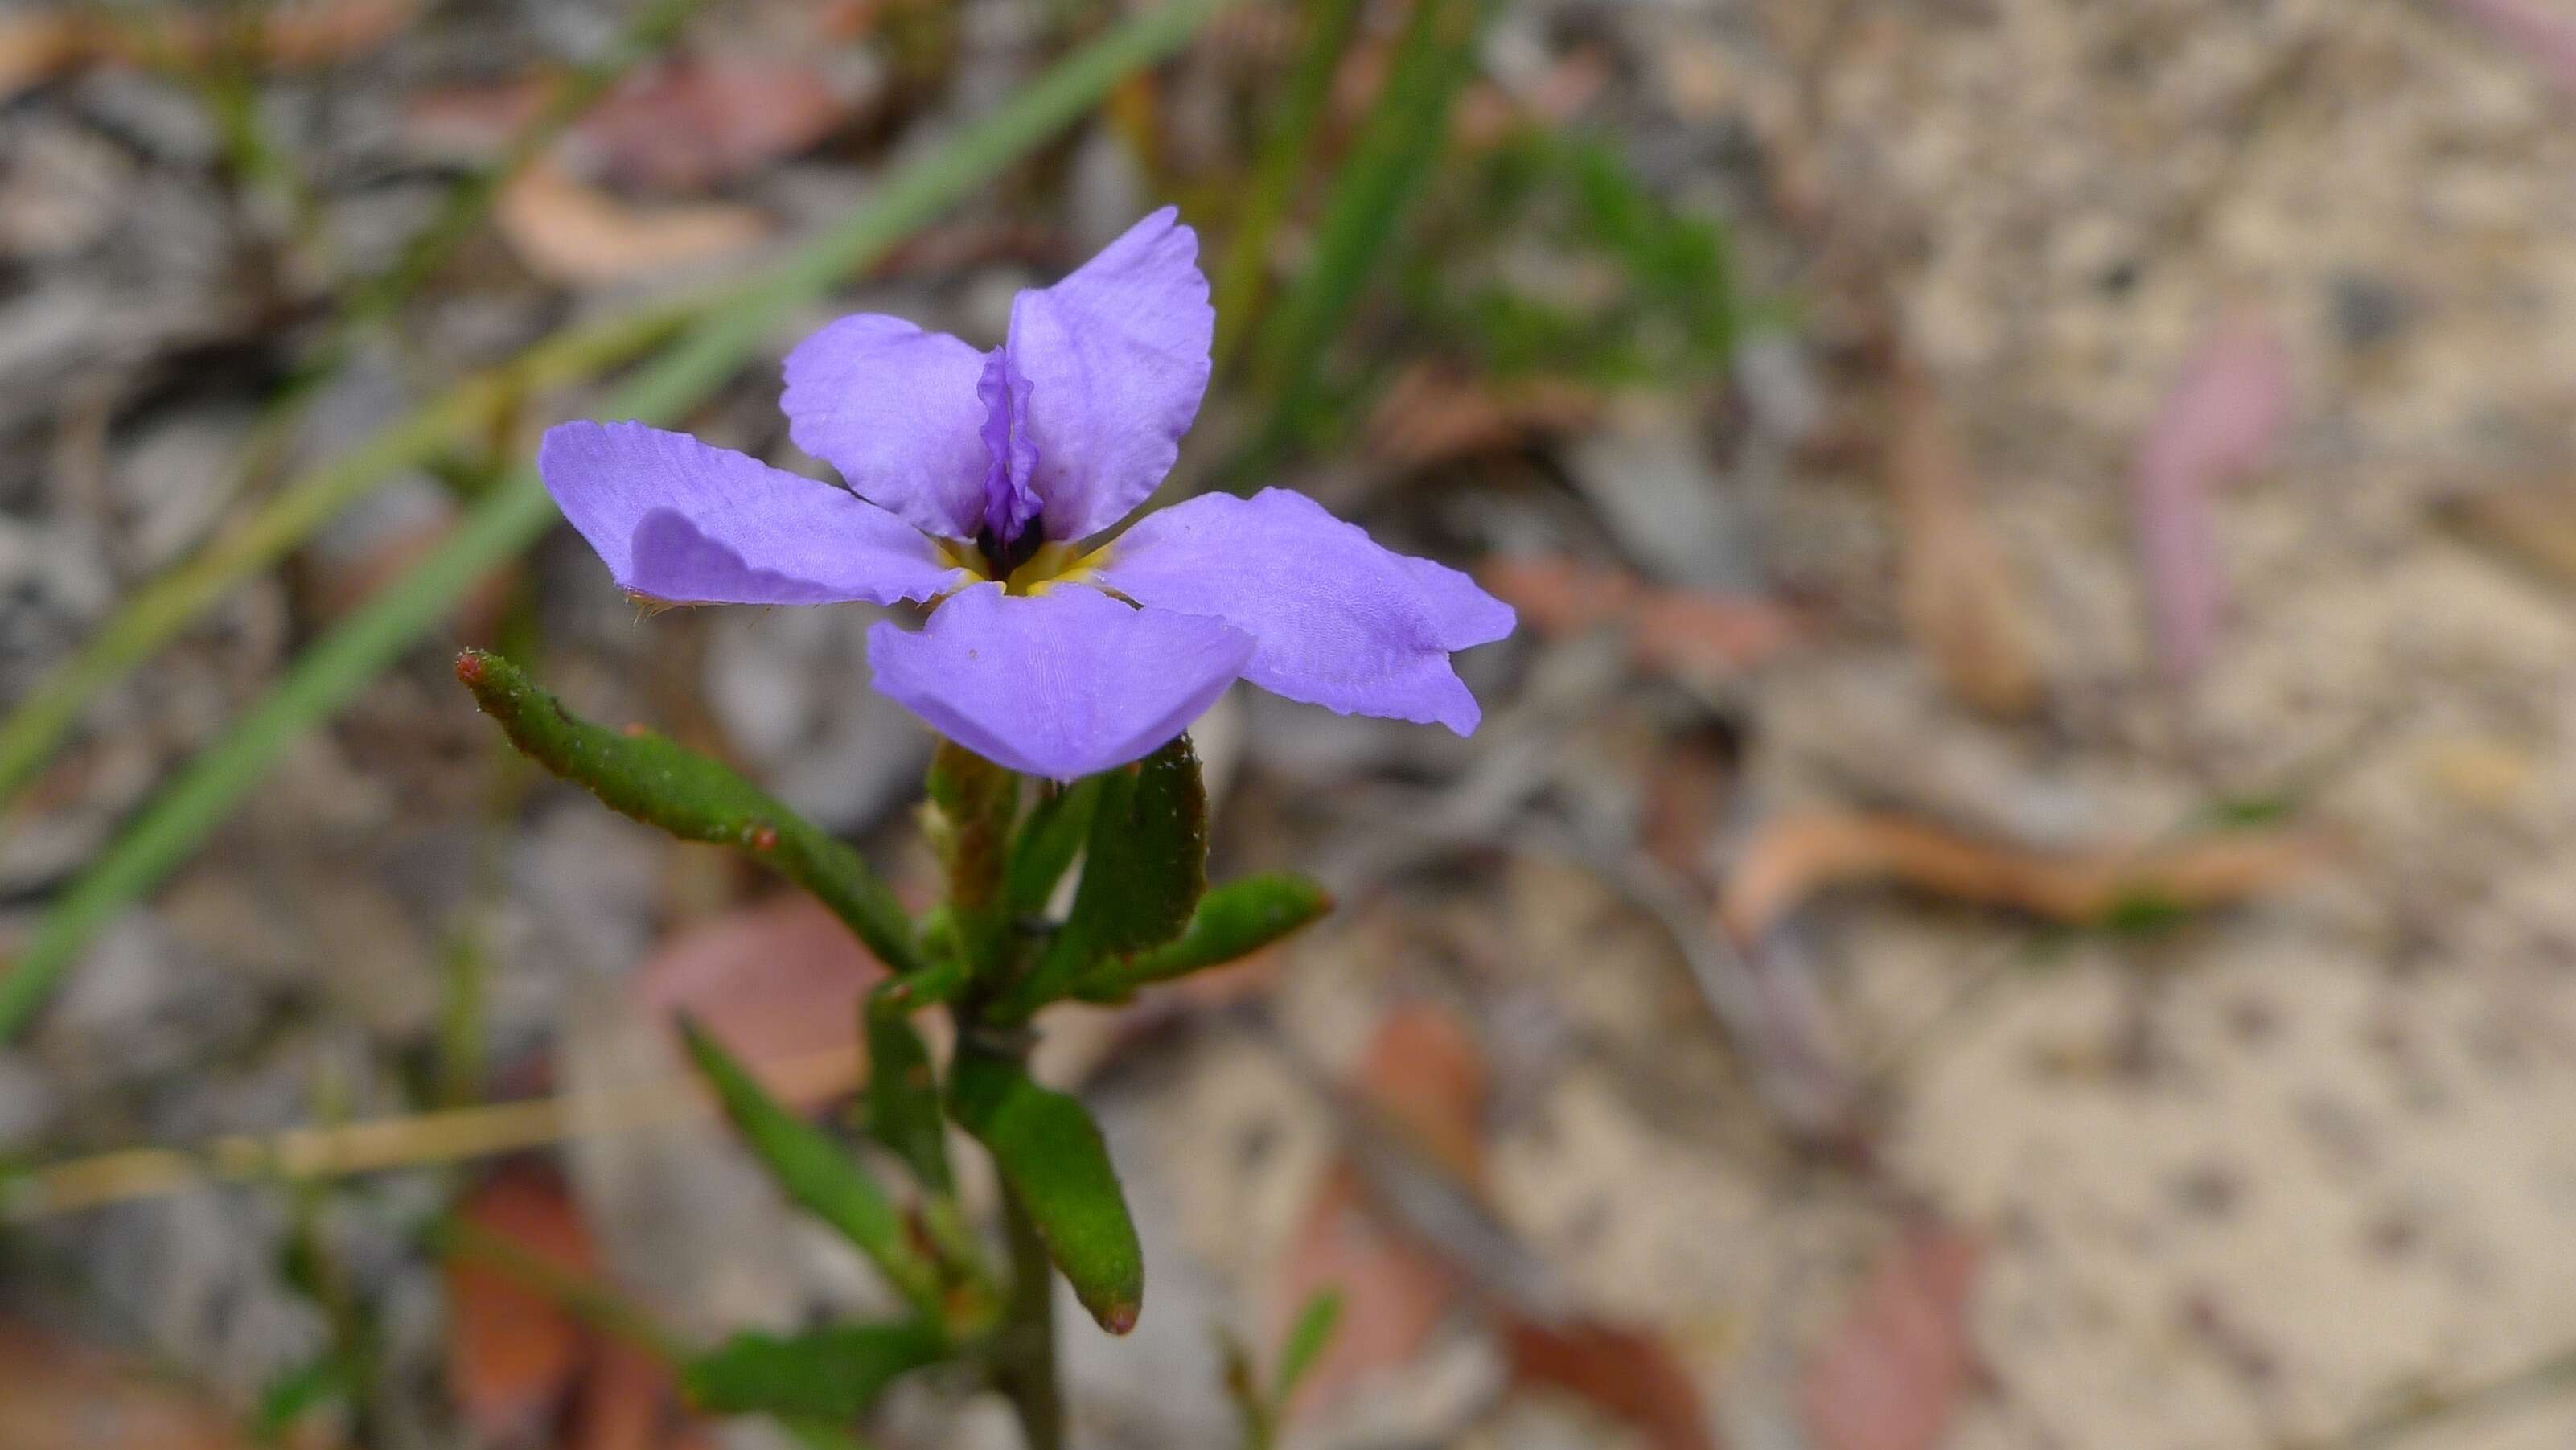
[{"x": 1024, "y": 1367}]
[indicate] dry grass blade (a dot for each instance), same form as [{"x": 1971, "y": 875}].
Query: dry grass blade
[
  {"x": 1794, "y": 857},
  {"x": 407, "y": 1142}
]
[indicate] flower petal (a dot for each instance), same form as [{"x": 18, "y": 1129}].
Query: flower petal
[
  {"x": 1116, "y": 357},
  {"x": 679, "y": 520},
  {"x": 894, "y": 408},
  {"x": 1059, "y": 684},
  {"x": 1340, "y": 622}
]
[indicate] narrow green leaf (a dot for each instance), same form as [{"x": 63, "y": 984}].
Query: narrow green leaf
[
  {"x": 1233, "y": 921},
  {"x": 661, "y": 783},
  {"x": 341, "y": 663},
  {"x": 1054, "y": 1162},
  {"x": 1399, "y": 140},
  {"x": 817, "y": 1173},
  {"x": 1046, "y": 844},
  {"x": 903, "y": 1097},
  {"x": 1305, "y": 1343},
  {"x": 1285, "y": 154},
  {"x": 1144, "y": 871},
  {"x": 828, "y": 1374}
]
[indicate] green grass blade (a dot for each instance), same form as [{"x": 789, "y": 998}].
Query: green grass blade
[
  {"x": 146, "y": 622},
  {"x": 341, "y": 663},
  {"x": 1402, "y": 137},
  {"x": 1284, "y": 154}
]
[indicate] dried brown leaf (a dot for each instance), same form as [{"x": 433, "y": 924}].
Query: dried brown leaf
[
  {"x": 513, "y": 1353},
  {"x": 1688, "y": 633},
  {"x": 1795, "y": 856},
  {"x": 1629, "y": 1375},
  {"x": 572, "y": 232},
  {"x": 1957, "y": 591}
]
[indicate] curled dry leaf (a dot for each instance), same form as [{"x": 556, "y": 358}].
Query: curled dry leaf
[
  {"x": 1956, "y": 590},
  {"x": 571, "y": 232},
  {"x": 1888, "y": 1376},
  {"x": 1688, "y": 633},
  {"x": 2220, "y": 421},
  {"x": 1795, "y": 856}
]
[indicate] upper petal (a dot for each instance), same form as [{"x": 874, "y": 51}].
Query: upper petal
[
  {"x": 1338, "y": 621},
  {"x": 1059, "y": 684},
  {"x": 894, "y": 409},
  {"x": 1116, "y": 358},
  {"x": 679, "y": 520}
]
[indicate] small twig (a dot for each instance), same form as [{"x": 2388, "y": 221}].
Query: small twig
[{"x": 407, "y": 1142}]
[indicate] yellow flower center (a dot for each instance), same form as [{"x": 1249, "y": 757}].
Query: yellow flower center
[{"x": 1051, "y": 565}]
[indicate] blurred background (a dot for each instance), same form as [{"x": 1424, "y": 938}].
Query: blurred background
[{"x": 2014, "y": 889}]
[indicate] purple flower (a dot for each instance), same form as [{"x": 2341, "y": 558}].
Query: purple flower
[{"x": 974, "y": 480}]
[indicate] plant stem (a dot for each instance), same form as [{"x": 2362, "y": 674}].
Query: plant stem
[{"x": 1024, "y": 1349}]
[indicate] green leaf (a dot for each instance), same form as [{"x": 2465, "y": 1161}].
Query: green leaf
[
  {"x": 903, "y": 1096},
  {"x": 662, "y": 783},
  {"x": 1053, "y": 1161},
  {"x": 828, "y": 1374},
  {"x": 1232, "y": 921},
  {"x": 1305, "y": 1343},
  {"x": 1046, "y": 844},
  {"x": 725, "y": 335},
  {"x": 1403, "y": 134},
  {"x": 817, "y": 1174},
  {"x": 1145, "y": 869}
]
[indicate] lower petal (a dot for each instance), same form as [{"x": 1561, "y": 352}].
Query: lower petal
[
  {"x": 1339, "y": 621},
  {"x": 1059, "y": 684},
  {"x": 679, "y": 520}
]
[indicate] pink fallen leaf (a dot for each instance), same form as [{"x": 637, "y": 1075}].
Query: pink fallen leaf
[
  {"x": 777, "y": 983},
  {"x": 1889, "y": 1375},
  {"x": 2219, "y": 423},
  {"x": 2544, "y": 35}
]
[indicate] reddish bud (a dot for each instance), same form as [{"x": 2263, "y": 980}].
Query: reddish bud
[
  {"x": 469, "y": 669},
  {"x": 764, "y": 838},
  {"x": 1119, "y": 1319}
]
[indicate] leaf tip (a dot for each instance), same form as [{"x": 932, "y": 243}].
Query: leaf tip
[
  {"x": 469, "y": 667},
  {"x": 1119, "y": 1318}
]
